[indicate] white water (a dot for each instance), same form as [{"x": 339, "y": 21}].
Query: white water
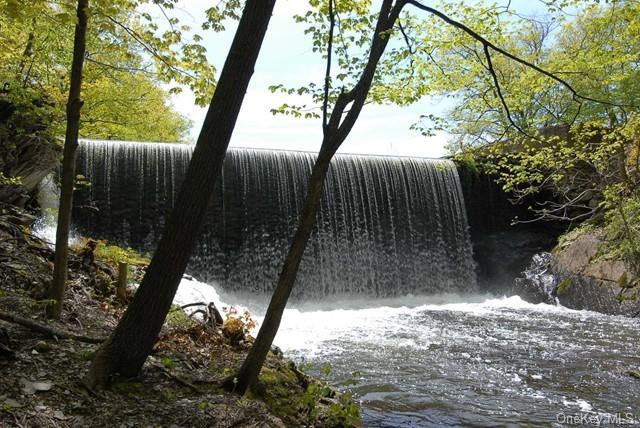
[{"x": 463, "y": 360}]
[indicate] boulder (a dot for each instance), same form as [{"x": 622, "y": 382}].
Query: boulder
[{"x": 578, "y": 277}]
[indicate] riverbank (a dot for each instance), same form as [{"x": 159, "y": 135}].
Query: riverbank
[
  {"x": 583, "y": 272},
  {"x": 42, "y": 371}
]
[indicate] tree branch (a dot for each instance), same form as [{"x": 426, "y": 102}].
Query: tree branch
[
  {"x": 487, "y": 44},
  {"x": 151, "y": 49},
  {"x": 389, "y": 14},
  {"x": 496, "y": 83},
  {"x": 327, "y": 75},
  {"x": 46, "y": 330}
]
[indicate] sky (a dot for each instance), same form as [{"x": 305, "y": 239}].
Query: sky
[{"x": 286, "y": 58}]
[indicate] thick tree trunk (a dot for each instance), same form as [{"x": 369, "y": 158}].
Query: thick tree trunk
[
  {"x": 134, "y": 337},
  {"x": 248, "y": 373},
  {"x": 74, "y": 104}
]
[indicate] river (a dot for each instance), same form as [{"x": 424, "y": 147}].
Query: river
[{"x": 468, "y": 360}]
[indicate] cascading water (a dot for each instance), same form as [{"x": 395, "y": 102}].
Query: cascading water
[{"x": 386, "y": 227}]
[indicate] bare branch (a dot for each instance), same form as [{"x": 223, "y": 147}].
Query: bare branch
[
  {"x": 519, "y": 60},
  {"x": 327, "y": 75},
  {"x": 500, "y": 96}
]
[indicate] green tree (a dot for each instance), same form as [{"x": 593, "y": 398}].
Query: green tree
[
  {"x": 131, "y": 108},
  {"x": 124, "y": 46},
  {"x": 571, "y": 144},
  {"x": 596, "y": 54}
]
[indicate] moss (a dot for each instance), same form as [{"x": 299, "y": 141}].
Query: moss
[
  {"x": 635, "y": 374},
  {"x": 168, "y": 363},
  {"x": 567, "y": 238},
  {"x": 178, "y": 318},
  {"x": 169, "y": 395},
  {"x": 564, "y": 286},
  {"x": 282, "y": 393},
  {"x": 302, "y": 401},
  {"x": 86, "y": 355},
  {"x": 113, "y": 254}
]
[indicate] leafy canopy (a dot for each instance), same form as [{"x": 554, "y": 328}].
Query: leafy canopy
[{"x": 134, "y": 60}]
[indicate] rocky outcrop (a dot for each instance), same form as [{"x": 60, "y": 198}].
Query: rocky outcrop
[
  {"x": 28, "y": 152},
  {"x": 577, "y": 276},
  {"x": 29, "y": 159}
]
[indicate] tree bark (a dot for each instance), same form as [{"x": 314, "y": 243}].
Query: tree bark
[
  {"x": 336, "y": 131},
  {"x": 74, "y": 104},
  {"x": 128, "y": 347},
  {"x": 250, "y": 369}
]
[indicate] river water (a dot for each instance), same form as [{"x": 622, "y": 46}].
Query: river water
[{"x": 469, "y": 360}]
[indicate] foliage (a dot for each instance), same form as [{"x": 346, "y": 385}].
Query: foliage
[
  {"x": 132, "y": 108},
  {"x": 115, "y": 254},
  {"x": 596, "y": 54},
  {"x": 343, "y": 412},
  {"x": 623, "y": 227},
  {"x": 576, "y": 166},
  {"x": 178, "y": 318},
  {"x": 168, "y": 363},
  {"x": 9, "y": 181},
  {"x": 570, "y": 236},
  {"x": 131, "y": 55},
  {"x": 244, "y": 320}
]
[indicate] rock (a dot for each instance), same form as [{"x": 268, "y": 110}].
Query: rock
[
  {"x": 539, "y": 283},
  {"x": 30, "y": 387},
  {"x": 577, "y": 278},
  {"x": 42, "y": 346},
  {"x": 30, "y": 157},
  {"x": 17, "y": 216},
  {"x": 276, "y": 351},
  {"x": 11, "y": 403}
]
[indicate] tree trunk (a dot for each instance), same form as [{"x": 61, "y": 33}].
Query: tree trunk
[
  {"x": 336, "y": 131},
  {"x": 134, "y": 337},
  {"x": 74, "y": 104},
  {"x": 248, "y": 373}
]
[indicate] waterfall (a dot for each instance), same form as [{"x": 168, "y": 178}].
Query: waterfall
[{"x": 387, "y": 226}]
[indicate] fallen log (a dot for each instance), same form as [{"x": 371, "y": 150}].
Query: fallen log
[{"x": 48, "y": 331}]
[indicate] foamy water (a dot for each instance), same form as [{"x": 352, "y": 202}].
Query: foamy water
[{"x": 463, "y": 360}]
